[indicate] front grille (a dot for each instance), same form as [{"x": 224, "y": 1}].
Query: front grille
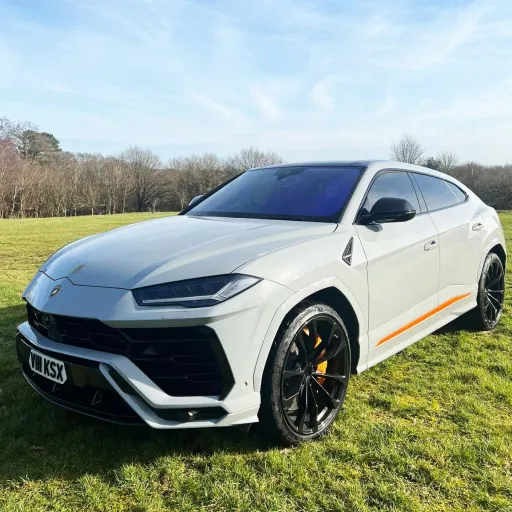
[
  {"x": 78, "y": 332},
  {"x": 182, "y": 361}
]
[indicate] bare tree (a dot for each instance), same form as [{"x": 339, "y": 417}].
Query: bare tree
[
  {"x": 143, "y": 165},
  {"x": 117, "y": 184},
  {"x": 177, "y": 189},
  {"x": 407, "y": 150},
  {"x": 4, "y": 128},
  {"x": 248, "y": 158},
  {"x": 22, "y": 183},
  {"x": 92, "y": 185},
  {"x": 447, "y": 161},
  {"x": 193, "y": 175},
  {"x": 10, "y": 163}
]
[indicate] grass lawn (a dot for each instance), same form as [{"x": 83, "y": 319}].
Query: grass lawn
[{"x": 429, "y": 429}]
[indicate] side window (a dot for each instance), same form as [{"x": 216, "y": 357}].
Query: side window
[
  {"x": 439, "y": 193},
  {"x": 392, "y": 184},
  {"x": 459, "y": 194}
]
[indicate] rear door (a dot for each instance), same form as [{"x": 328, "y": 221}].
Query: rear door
[
  {"x": 461, "y": 237},
  {"x": 403, "y": 270}
]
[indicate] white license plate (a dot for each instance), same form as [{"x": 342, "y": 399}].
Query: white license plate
[{"x": 48, "y": 367}]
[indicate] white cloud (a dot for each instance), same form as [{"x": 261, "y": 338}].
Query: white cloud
[
  {"x": 390, "y": 103},
  {"x": 266, "y": 103},
  {"x": 147, "y": 25},
  {"x": 496, "y": 102},
  {"x": 322, "y": 97},
  {"x": 218, "y": 108},
  {"x": 454, "y": 35}
]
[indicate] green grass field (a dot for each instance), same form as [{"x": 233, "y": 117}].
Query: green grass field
[{"x": 429, "y": 429}]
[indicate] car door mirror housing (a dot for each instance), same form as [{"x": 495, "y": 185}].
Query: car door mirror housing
[
  {"x": 388, "y": 209},
  {"x": 195, "y": 199}
]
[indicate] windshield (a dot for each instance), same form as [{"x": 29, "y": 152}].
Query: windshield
[{"x": 316, "y": 194}]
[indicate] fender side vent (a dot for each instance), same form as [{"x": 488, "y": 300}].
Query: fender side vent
[{"x": 347, "y": 253}]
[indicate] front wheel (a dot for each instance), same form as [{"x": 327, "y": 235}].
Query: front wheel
[
  {"x": 491, "y": 294},
  {"x": 306, "y": 375}
]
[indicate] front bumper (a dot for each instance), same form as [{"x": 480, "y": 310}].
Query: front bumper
[
  {"x": 86, "y": 390},
  {"x": 110, "y": 386}
]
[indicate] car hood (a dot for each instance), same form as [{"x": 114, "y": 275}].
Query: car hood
[{"x": 173, "y": 249}]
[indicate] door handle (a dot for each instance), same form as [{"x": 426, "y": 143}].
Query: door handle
[
  {"x": 430, "y": 245},
  {"x": 477, "y": 226}
]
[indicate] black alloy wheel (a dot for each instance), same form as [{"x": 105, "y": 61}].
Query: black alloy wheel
[
  {"x": 494, "y": 291},
  {"x": 307, "y": 375},
  {"x": 491, "y": 293}
]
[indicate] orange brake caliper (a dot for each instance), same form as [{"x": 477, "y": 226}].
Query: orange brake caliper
[{"x": 322, "y": 367}]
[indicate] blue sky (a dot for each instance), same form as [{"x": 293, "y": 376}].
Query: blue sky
[{"x": 309, "y": 79}]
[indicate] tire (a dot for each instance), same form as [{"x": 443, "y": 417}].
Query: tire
[
  {"x": 491, "y": 294},
  {"x": 296, "y": 362}
]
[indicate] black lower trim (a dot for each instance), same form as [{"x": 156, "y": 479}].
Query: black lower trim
[
  {"x": 85, "y": 391},
  {"x": 127, "y": 420},
  {"x": 88, "y": 392}
]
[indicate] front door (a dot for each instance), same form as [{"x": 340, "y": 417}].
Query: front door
[{"x": 403, "y": 271}]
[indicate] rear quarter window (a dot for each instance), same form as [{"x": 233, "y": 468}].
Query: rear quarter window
[
  {"x": 461, "y": 195},
  {"x": 439, "y": 193}
]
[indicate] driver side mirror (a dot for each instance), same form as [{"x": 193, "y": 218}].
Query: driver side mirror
[
  {"x": 388, "y": 209},
  {"x": 195, "y": 199}
]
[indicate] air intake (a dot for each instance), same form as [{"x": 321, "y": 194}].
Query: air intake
[
  {"x": 182, "y": 361},
  {"x": 347, "y": 253}
]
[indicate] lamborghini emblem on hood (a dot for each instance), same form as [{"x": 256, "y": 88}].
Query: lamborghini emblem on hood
[{"x": 55, "y": 291}]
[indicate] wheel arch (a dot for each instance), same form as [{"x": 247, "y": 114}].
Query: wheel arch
[
  {"x": 494, "y": 245},
  {"x": 332, "y": 292},
  {"x": 499, "y": 250},
  {"x": 336, "y": 300}
]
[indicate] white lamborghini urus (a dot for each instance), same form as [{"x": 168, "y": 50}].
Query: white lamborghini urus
[{"x": 259, "y": 301}]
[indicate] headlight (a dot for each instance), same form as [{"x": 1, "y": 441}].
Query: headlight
[{"x": 195, "y": 293}]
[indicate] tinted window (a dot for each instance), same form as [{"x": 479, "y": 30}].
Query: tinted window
[
  {"x": 438, "y": 193},
  {"x": 459, "y": 194},
  {"x": 392, "y": 184},
  {"x": 289, "y": 193}
]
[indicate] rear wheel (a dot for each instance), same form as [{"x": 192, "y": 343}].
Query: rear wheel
[
  {"x": 491, "y": 294},
  {"x": 306, "y": 376}
]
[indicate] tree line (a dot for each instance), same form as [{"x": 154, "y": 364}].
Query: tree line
[{"x": 39, "y": 179}]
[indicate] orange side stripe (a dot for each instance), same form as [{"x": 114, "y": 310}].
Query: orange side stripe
[{"x": 442, "y": 306}]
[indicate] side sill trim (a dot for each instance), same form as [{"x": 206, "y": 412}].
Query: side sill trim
[{"x": 422, "y": 318}]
